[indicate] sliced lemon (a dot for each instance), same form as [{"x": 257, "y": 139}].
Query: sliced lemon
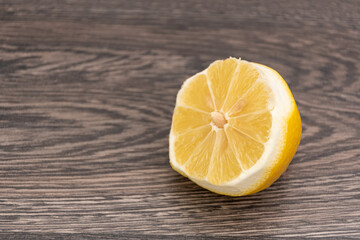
[{"x": 235, "y": 127}]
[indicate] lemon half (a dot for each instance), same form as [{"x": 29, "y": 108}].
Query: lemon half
[{"x": 235, "y": 127}]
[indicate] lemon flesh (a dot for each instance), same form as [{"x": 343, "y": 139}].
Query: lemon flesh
[{"x": 235, "y": 127}]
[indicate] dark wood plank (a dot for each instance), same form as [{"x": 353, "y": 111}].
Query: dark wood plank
[{"x": 87, "y": 90}]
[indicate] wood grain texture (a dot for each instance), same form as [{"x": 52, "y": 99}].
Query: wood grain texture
[{"x": 87, "y": 90}]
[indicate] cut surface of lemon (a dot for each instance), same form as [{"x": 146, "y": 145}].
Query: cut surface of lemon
[{"x": 235, "y": 127}]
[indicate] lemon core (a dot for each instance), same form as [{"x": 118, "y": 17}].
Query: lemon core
[{"x": 219, "y": 119}]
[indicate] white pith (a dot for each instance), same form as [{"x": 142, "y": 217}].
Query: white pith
[{"x": 248, "y": 180}]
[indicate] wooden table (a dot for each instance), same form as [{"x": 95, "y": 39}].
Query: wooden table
[{"x": 87, "y": 90}]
